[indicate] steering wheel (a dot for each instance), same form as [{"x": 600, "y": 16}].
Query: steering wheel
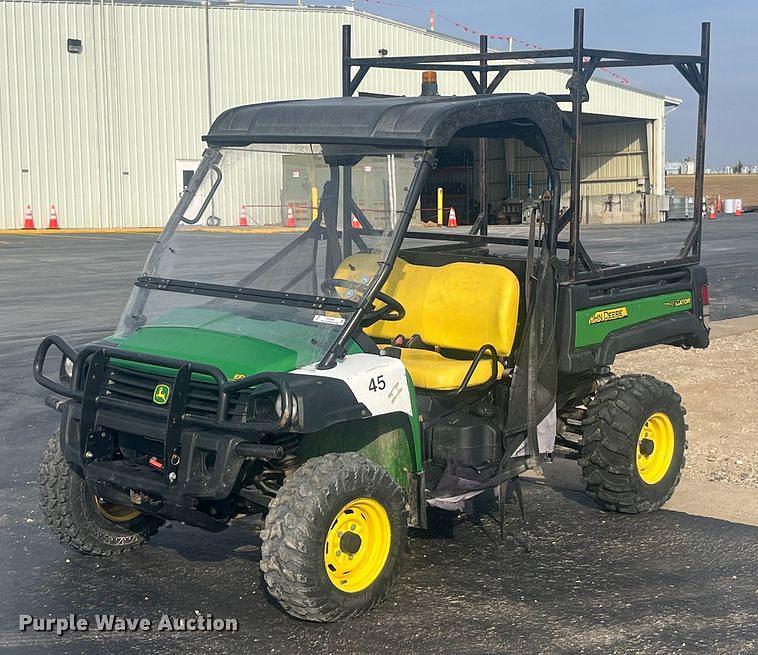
[{"x": 391, "y": 310}]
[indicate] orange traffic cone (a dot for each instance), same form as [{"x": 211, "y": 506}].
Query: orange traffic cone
[
  {"x": 53, "y": 223},
  {"x": 355, "y": 223},
  {"x": 711, "y": 212},
  {"x": 290, "y": 217},
  {"x": 28, "y": 219},
  {"x": 738, "y": 209},
  {"x": 243, "y": 216},
  {"x": 452, "y": 221}
]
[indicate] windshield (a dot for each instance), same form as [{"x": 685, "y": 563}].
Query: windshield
[{"x": 277, "y": 243}]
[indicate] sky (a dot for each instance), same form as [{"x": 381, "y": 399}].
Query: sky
[{"x": 663, "y": 26}]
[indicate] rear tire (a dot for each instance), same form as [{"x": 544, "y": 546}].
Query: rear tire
[
  {"x": 78, "y": 518},
  {"x": 634, "y": 438},
  {"x": 309, "y": 534}
]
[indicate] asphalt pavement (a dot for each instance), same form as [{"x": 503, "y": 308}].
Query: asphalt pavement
[{"x": 592, "y": 582}]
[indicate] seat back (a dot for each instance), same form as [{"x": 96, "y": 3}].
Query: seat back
[
  {"x": 469, "y": 304},
  {"x": 459, "y": 306},
  {"x": 405, "y": 284}
]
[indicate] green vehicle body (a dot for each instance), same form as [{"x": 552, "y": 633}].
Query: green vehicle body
[
  {"x": 581, "y": 320},
  {"x": 593, "y": 325},
  {"x": 235, "y": 344},
  {"x": 393, "y": 442}
]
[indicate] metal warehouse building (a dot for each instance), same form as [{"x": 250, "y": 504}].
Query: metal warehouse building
[{"x": 104, "y": 104}]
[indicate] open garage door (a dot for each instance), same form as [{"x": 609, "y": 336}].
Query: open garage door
[{"x": 617, "y": 170}]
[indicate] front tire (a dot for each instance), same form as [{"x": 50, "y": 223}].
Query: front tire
[
  {"x": 80, "y": 519},
  {"x": 634, "y": 438},
  {"x": 333, "y": 538}
]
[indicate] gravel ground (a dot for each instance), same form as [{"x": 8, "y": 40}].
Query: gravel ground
[{"x": 719, "y": 388}]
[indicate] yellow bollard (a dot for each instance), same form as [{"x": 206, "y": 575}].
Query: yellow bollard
[
  {"x": 440, "y": 204},
  {"x": 314, "y": 203}
]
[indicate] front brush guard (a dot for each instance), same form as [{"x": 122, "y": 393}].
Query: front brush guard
[{"x": 86, "y": 386}]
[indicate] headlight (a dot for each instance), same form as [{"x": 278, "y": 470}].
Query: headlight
[{"x": 278, "y": 407}]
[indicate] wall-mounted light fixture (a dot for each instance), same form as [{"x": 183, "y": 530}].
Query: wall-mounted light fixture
[{"x": 74, "y": 46}]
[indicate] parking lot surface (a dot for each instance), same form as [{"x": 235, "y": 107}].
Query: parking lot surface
[{"x": 592, "y": 582}]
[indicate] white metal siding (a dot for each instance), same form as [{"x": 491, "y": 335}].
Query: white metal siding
[{"x": 98, "y": 134}]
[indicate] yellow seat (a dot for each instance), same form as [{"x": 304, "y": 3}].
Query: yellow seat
[
  {"x": 459, "y": 307},
  {"x": 430, "y": 370}
]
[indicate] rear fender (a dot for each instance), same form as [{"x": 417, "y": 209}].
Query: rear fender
[{"x": 602, "y": 318}]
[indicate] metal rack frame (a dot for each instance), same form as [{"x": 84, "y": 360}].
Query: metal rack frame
[{"x": 582, "y": 62}]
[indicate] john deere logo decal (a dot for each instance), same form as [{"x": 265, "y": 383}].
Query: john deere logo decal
[
  {"x": 161, "y": 394},
  {"x": 605, "y": 315}
]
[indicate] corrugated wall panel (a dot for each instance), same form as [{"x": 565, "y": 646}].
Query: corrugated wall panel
[
  {"x": 159, "y": 100},
  {"x": 51, "y": 130},
  {"x": 100, "y": 133},
  {"x": 614, "y": 158}
]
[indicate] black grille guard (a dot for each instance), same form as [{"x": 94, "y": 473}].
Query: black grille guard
[{"x": 89, "y": 371}]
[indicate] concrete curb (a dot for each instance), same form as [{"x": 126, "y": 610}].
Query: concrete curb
[
  {"x": 731, "y": 326},
  {"x": 153, "y": 230},
  {"x": 44, "y": 232},
  {"x": 718, "y": 500}
]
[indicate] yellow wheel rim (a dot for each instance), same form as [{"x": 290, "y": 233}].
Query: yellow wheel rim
[
  {"x": 357, "y": 545},
  {"x": 655, "y": 448},
  {"x": 115, "y": 513}
]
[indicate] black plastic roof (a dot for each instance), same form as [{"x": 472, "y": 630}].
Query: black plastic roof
[{"x": 422, "y": 122}]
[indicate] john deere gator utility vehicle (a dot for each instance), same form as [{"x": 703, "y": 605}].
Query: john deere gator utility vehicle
[{"x": 341, "y": 378}]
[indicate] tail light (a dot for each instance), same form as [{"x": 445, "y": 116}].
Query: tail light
[{"x": 705, "y": 301}]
